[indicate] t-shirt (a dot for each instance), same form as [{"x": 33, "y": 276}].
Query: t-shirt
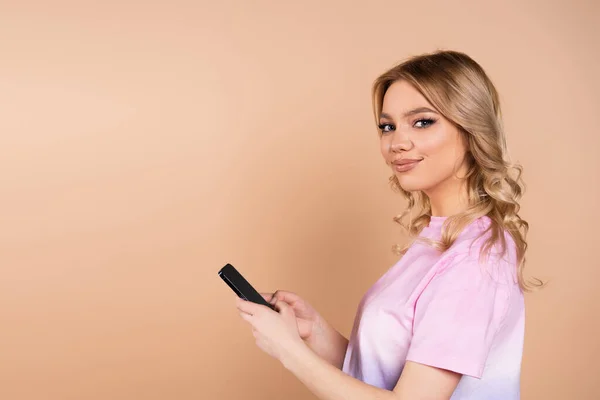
[{"x": 450, "y": 310}]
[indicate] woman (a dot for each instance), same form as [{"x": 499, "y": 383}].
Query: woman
[{"x": 447, "y": 320}]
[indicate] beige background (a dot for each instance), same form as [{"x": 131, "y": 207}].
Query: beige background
[{"x": 146, "y": 145}]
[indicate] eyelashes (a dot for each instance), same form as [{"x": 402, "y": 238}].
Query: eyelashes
[
  {"x": 382, "y": 128},
  {"x": 421, "y": 123},
  {"x": 425, "y": 122}
]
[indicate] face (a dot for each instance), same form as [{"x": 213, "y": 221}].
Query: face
[{"x": 424, "y": 150}]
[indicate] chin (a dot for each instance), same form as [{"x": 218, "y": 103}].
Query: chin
[{"x": 411, "y": 184}]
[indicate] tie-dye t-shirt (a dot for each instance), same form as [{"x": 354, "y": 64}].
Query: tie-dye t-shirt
[{"x": 450, "y": 310}]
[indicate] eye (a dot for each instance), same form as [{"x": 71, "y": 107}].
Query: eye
[
  {"x": 424, "y": 122},
  {"x": 384, "y": 128}
]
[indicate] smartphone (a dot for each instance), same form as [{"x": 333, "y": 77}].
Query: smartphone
[{"x": 241, "y": 286}]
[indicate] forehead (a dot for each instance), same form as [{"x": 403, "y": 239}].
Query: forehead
[{"x": 402, "y": 97}]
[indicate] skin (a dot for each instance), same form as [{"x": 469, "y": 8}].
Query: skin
[{"x": 412, "y": 129}]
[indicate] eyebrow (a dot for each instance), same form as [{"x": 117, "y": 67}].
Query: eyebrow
[{"x": 414, "y": 111}]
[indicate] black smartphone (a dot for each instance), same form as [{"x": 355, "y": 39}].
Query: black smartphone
[{"x": 241, "y": 286}]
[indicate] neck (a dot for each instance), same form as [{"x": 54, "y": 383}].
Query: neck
[{"x": 447, "y": 201}]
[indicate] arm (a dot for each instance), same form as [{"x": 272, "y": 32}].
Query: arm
[
  {"x": 418, "y": 381},
  {"x": 277, "y": 334},
  {"x": 328, "y": 343}
]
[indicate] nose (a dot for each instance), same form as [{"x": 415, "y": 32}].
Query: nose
[{"x": 400, "y": 141}]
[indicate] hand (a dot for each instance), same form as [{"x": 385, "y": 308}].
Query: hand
[
  {"x": 320, "y": 337},
  {"x": 307, "y": 319},
  {"x": 276, "y": 332}
]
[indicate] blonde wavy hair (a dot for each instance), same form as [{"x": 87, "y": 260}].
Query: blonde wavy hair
[{"x": 461, "y": 91}]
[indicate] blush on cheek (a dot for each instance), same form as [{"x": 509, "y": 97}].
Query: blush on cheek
[{"x": 435, "y": 146}]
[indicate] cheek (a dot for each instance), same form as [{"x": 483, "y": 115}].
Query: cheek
[
  {"x": 443, "y": 149},
  {"x": 434, "y": 145},
  {"x": 442, "y": 154}
]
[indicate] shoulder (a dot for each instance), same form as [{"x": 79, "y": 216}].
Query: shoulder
[{"x": 477, "y": 255}]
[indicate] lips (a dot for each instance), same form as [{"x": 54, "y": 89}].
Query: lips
[{"x": 405, "y": 165}]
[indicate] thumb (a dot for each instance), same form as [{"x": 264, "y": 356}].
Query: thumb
[{"x": 284, "y": 309}]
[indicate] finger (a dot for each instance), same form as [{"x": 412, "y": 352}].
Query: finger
[
  {"x": 260, "y": 343},
  {"x": 284, "y": 295},
  {"x": 282, "y": 308},
  {"x": 286, "y": 312},
  {"x": 246, "y": 316},
  {"x": 257, "y": 335},
  {"x": 271, "y": 298},
  {"x": 246, "y": 306},
  {"x": 267, "y": 296}
]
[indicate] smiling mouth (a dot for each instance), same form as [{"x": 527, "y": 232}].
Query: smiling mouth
[{"x": 405, "y": 165}]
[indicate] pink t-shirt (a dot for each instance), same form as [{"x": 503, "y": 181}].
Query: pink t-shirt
[{"x": 446, "y": 310}]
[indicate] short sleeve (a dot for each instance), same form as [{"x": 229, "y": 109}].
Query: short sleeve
[{"x": 457, "y": 316}]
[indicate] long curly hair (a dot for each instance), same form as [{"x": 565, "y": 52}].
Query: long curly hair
[{"x": 461, "y": 91}]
